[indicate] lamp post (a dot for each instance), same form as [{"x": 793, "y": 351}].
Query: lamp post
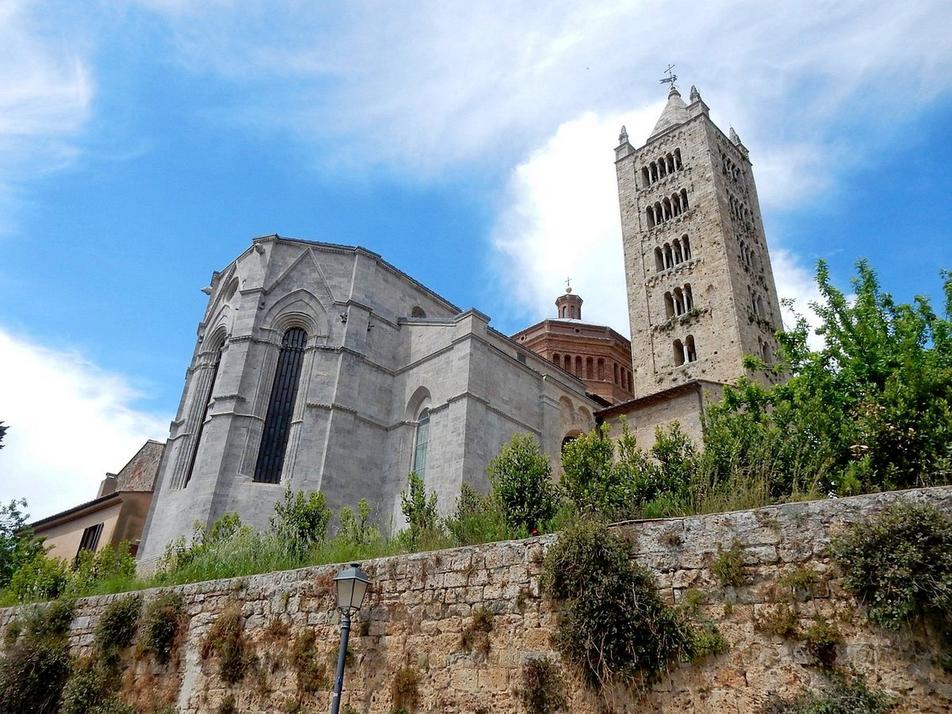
[{"x": 352, "y": 585}]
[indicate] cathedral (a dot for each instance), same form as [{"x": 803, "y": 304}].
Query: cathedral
[{"x": 323, "y": 367}]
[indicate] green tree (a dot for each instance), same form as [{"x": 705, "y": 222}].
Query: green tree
[
  {"x": 301, "y": 518},
  {"x": 18, "y": 544},
  {"x": 3, "y": 433},
  {"x": 592, "y": 479},
  {"x": 521, "y": 480},
  {"x": 478, "y": 519},
  {"x": 419, "y": 509},
  {"x": 870, "y": 410},
  {"x": 357, "y": 528}
]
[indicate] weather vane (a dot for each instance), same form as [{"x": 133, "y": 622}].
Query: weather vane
[
  {"x": 568, "y": 285},
  {"x": 671, "y": 78}
]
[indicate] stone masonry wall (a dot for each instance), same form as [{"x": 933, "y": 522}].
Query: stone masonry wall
[{"x": 420, "y": 605}]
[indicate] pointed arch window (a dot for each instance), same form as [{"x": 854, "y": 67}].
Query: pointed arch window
[
  {"x": 421, "y": 443},
  {"x": 277, "y": 425},
  {"x": 201, "y": 424}
]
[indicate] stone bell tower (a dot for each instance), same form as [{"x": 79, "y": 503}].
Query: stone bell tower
[{"x": 701, "y": 291}]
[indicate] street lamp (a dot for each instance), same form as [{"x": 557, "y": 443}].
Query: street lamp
[{"x": 352, "y": 585}]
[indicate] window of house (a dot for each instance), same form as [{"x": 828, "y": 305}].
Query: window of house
[
  {"x": 90, "y": 539},
  {"x": 277, "y": 424}
]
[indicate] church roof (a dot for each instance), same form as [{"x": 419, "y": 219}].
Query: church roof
[{"x": 675, "y": 112}]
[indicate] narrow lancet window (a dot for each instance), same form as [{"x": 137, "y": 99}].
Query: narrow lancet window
[
  {"x": 201, "y": 425},
  {"x": 277, "y": 425},
  {"x": 421, "y": 443}
]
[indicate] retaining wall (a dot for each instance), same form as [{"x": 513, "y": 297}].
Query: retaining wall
[{"x": 420, "y": 605}]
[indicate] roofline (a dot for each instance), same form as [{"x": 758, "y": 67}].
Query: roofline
[
  {"x": 139, "y": 451},
  {"x": 693, "y": 385},
  {"x": 570, "y": 322},
  {"x": 350, "y": 249},
  {"x": 97, "y": 504}
]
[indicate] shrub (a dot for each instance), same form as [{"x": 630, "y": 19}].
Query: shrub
[
  {"x": 42, "y": 578},
  {"x": 821, "y": 640},
  {"x": 477, "y": 519},
  {"x": 542, "y": 687},
  {"x": 419, "y": 510},
  {"x": 868, "y": 411},
  {"x": 728, "y": 566},
  {"x": 117, "y": 626},
  {"x": 617, "y": 479},
  {"x": 899, "y": 564},
  {"x": 302, "y": 518},
  {"x": 311, "y": 672},
  {"x": 228, "y": 705},
  {"x": 405, "y": 689},
  {"x": 18, "y": 544},
  {"x": 161, "y": 624},
  {"x": 521, "y": 481},
  {"x": 94, "y": 567},
  {"x": 780, "y": 621},
  {"x": 592, "y": 478},
  {"x": 612, "y": 623},
  {"x": 357, "y": 529},
  {"x": 843, "y": 696},
  {"x": 226, "y": 639},
  {"x": 35, "y": 669},
  {"x": 87, "y": 688},
  {"x": 476, "y": 634}
]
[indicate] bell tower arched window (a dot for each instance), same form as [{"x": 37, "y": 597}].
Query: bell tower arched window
[
  {"x": 421, "y": 442},
  {"x": 277, "y": 425}
]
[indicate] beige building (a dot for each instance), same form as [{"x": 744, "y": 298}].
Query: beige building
[
  {"x": 701, "y": 293},
  {"x": 117, "y": 513}
]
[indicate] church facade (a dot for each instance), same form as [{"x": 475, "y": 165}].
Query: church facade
[{"x": 323, "y": 367}]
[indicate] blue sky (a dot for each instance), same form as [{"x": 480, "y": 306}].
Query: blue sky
[{"x": 143, "y": 144}]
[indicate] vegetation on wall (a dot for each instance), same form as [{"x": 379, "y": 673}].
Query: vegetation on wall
[
  {"x": 117, "y": 627},
  {"x": 613, "y": 626},
  {"x": 543, "y": 688},
  {"x": 34, "y": 670},
  {"x": 475, "y": 635},
  {"x": 899, "y": 564},
  {"x": 162, "y": 623},
  {"x": 226, "y": 640},
  {"x": 405, "y": 690},
  {"x": 844, "y": 695},
  {"x": 728, "y": 565}
]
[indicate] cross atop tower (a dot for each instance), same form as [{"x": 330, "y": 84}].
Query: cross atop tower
[{"x": 671, "y": 78}]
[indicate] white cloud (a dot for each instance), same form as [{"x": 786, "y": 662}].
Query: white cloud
[
  {"x": 69, "y": 423},
  {"x": 45, "y": 97},
  {"x": 561, "y": 220},
  {"x": 420, "y": 89},
  {"x": 812, "y": 87}
]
